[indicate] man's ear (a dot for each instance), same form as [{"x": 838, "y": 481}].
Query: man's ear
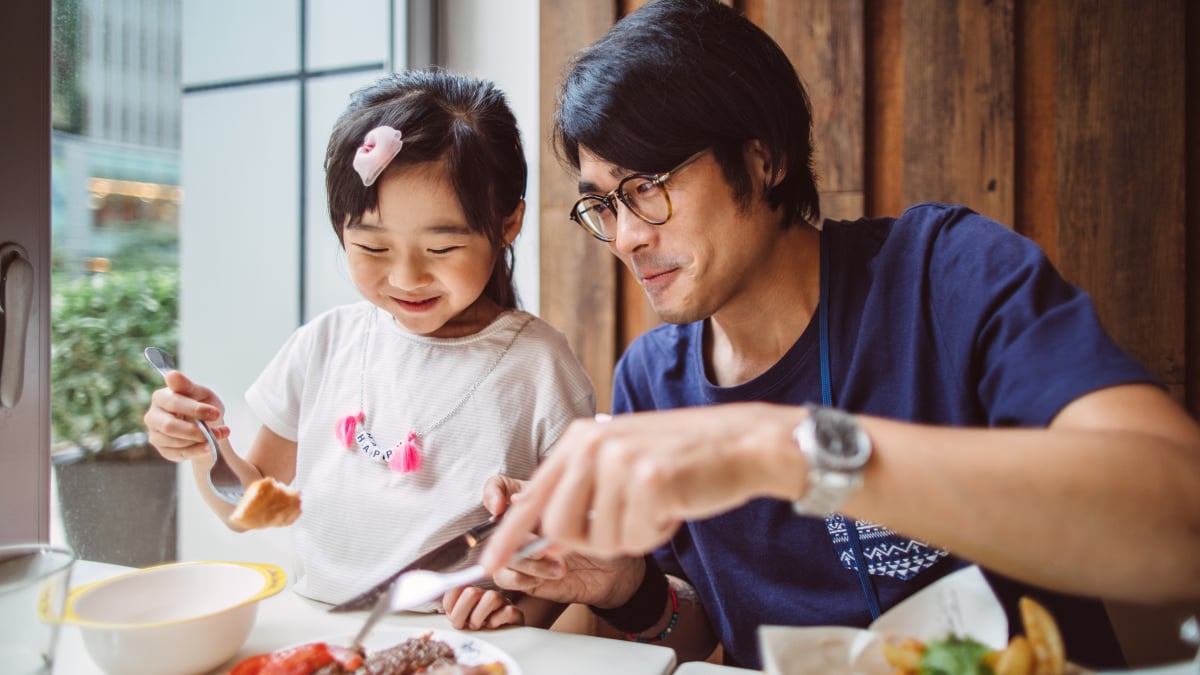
[
  {"x": 765, "y": 169},
  {"x": 512, "y": 223}
]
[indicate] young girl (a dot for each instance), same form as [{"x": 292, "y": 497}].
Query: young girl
[{"x": 389, "y": 414}]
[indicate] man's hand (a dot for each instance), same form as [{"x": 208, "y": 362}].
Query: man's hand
[
  {"x": 560, "y": 576},
  {"x": 554, "y": 573},
  {"x": 622, "y": 487}
]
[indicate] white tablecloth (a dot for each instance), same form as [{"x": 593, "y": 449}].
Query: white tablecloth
[
  {"x": 288, "y": 619},
  {"x": 705, "y": 668}
]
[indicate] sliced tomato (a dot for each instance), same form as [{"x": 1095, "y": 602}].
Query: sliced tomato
[
  {"x": 250, "y": 666},
  {"x": 298, "y": 660},
  {"x": 347, "y": 658}
]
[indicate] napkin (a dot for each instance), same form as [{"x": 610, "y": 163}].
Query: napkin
[{"x": 961, "y": 603}]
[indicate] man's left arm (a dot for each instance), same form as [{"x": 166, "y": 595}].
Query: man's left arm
[{"x": 1106, "y": 501}]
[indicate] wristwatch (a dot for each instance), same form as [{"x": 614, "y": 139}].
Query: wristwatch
[{"x": 836, "y": 449}]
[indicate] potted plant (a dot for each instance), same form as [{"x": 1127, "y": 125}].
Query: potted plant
[{"x": 117, "y": 496}]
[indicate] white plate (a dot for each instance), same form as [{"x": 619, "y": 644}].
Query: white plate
[{"x": 468, "y": 649}]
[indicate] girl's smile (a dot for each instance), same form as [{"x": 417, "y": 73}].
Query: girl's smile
[
  {"x": 417, "y": 257},
  {"x": 416, "y": 305}
]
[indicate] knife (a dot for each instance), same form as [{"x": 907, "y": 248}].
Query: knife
[{"x": 439, "y": 559}]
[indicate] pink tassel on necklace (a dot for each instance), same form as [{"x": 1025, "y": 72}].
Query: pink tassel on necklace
[
  {"x": 407, "y": 457},
  {"x": 345, "y": 429}
]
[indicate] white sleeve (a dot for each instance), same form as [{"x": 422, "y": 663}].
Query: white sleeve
[{"x": 276, "y": 395}]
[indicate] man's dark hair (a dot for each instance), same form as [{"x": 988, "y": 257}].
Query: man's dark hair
[{"x": 678, "y": 76}]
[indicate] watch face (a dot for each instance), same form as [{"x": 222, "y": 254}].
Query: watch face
[{"x": 844, "y": 444}]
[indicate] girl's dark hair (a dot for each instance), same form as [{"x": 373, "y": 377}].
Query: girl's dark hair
[
  {"x": 443, "y": 117},
  {"x": 678, "y": 76}
]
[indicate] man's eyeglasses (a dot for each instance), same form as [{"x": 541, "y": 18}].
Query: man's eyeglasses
[{"x": 644, "y": 194}]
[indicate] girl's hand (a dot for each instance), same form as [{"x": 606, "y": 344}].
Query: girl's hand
[
  {"x": 473, "y": 608},
  {"x": 170, "y": 421}
]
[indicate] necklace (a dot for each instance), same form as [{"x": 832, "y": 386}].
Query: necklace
[{"x": 405, "y": 456}]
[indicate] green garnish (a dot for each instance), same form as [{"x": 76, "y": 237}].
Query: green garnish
[{"x": 955, "y": 656}]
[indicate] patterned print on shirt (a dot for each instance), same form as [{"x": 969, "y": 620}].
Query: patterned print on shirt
[{"x": 887, "y": 553}]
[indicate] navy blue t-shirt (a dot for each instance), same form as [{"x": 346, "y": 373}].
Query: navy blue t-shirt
[{"x": 940, "y": 316}]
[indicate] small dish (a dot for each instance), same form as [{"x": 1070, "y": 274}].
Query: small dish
[{"x": 173, "y": 619}]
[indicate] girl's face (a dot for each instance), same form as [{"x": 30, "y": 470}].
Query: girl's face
[{"x": 416, "y": 257}]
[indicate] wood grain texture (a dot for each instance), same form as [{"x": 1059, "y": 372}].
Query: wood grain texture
[
  {"x": 1192, "y": 288},
  {"x": 884, "y": 104},
  {"x": 1036, "y": 198},
  {"x": 824, "y": 41},
  {"x": 958, "y": 104},
  {"x": 578, "y": 275},
  {"x": 1121, "y": 132}
]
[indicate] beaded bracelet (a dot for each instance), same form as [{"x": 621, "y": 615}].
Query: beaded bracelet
[
  {"x": 670, "y": 624},
  {"x": 643, "y": 609}
]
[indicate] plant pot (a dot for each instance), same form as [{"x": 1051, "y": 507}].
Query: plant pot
[{"x": 119, "y": 507}]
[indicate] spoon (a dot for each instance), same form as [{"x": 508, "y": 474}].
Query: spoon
[
  {"x": 415, "y": 588},
  {"x": 221, "y": 478}
]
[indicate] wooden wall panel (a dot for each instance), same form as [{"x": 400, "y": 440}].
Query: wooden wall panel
[
  {"x": 824, "y": 40},
  {"x": 1120, "y": 137},
  {"x": 884, "y": 107},
  {"x": 579, "y": 276},
  {"x": 1192, "y": 290},
  {"x": 958, "y": 104},
  {"x": 1036, "y": 199}
]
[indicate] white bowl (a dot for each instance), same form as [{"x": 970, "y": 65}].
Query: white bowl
[{"x": 174, "y": 619}]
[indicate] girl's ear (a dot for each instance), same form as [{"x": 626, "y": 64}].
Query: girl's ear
[{"x": 512, "y": 223}]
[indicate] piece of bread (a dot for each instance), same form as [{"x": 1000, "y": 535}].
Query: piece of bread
[{"x": 267, "y": 503}]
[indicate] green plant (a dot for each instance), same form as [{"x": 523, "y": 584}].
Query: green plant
[{"x": 99, "y": 325}]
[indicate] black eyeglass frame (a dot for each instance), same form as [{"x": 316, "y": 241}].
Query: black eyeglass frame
[{"x": 610, "y": 200}]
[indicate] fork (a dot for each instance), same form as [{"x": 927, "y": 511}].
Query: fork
[
  {"x": 415, "y": 588},
  {"x": 221, "y": 478}
]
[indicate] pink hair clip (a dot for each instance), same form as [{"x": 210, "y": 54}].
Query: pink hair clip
[{"x": 378, "y": 149}]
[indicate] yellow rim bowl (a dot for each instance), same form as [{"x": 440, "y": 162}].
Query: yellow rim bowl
[{"x": 171, "y": 619}]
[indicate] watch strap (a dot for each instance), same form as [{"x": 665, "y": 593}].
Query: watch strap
[
  {"x": 827, "y": 487},
  {"x": 825, "y": 492}
]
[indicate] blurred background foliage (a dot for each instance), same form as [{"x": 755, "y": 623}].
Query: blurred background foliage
[{"x": 100, "y": 324}]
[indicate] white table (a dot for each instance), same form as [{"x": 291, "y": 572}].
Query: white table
[
  {"x": 705, "y": 668},
  {"x": 288, "y": 619}
]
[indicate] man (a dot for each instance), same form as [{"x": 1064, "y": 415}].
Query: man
[{"x": 994, "y": 420}]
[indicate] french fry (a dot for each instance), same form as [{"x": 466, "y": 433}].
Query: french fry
[
  {"x": 1016, "y": 659},
  {"x": 904, "y": 655},
  {"x": 1044, "y": 638},
  {"x": 1039, "y": 652}
]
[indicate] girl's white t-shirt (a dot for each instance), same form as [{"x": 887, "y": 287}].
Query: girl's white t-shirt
[{"x": 362, "y": 521}]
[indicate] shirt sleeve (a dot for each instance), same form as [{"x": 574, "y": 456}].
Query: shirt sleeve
[
  {"x": 564, "y": 390},
  {"x": 275, "y": 396},
  {"x": 1005, "y": 313}
]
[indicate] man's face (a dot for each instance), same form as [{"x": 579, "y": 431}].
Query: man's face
[{"x": 697, "y": 262}]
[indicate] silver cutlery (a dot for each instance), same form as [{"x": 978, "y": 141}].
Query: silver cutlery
[
  {"x": 221, "y": 478},
  {"x": 442, "y": 557},
  {"x": 418, "y": 587}
]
